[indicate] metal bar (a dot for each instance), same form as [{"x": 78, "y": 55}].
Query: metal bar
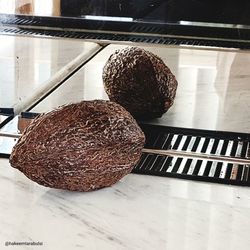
[
  {"x": 175, "y": 153},
  {"x": 4, "y": 134}
]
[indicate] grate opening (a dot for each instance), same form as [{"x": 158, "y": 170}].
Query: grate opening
[{"x": 198, "y": 141}]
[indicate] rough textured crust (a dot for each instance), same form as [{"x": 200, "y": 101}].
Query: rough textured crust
[
  {"x": 139, "y": 81},
  {"x": 81, "y": 147}
]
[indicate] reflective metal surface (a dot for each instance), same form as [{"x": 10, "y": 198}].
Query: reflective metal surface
[
  {"x": 29, "y": 67},
  {"x": 213, "y": 90}
]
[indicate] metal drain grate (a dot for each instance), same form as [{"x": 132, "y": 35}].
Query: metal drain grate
[
  {"x": 199, "y": 141},
  {"x": 107, "y": 31},
  {"x": 125, "y": 38}
]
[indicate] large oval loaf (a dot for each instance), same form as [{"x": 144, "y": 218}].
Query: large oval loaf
[
  {"x": 83, "y": 146},
  {"x": 140, "y": 82}
]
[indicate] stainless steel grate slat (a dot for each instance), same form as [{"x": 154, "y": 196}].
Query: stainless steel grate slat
[{"x": 236, "y": 151}]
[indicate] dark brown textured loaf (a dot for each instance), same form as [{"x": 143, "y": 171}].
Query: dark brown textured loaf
[
  {"x": 83, "y": 146},
  {"x": 139, "y": 81}
]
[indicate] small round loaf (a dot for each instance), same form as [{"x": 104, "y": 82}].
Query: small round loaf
[
  {"x": 81, "y": 147},
  {"x": 139, "y": 81}
]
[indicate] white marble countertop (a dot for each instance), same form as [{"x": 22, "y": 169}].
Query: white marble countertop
[
  {"x": 139, "y": 212},
  {"x": 31, "y": 67}
]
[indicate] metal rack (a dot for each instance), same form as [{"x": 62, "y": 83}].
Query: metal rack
[
  {"x": 140, "y": 32},
  {"x": 200, "y": 141}
]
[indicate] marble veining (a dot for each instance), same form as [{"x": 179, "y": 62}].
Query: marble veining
[{"x": 139, "y": 212}]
